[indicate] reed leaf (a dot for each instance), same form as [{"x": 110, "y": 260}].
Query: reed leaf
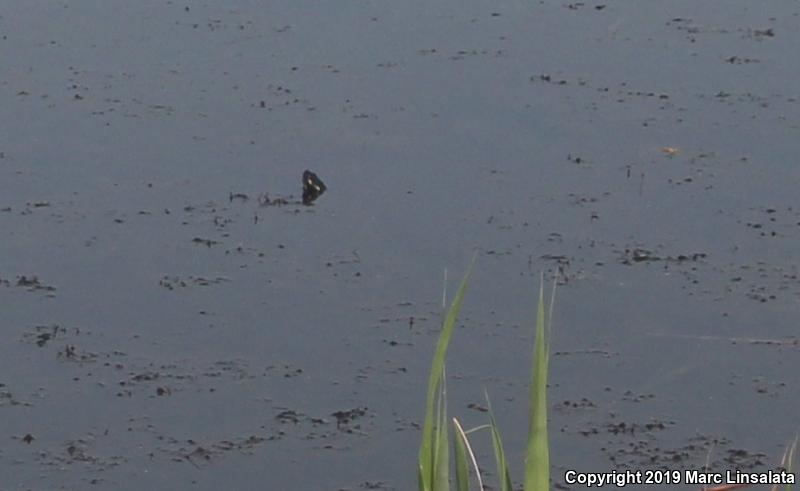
[
  {"x": 537, "y": 465},
  {"x": 499, "y": 453},
  {"x": 464, "y": 450},
  {"x": 433, "y": 453},
  {"x": 441, "y": 455},
  {"x": 788, "y": 460}
]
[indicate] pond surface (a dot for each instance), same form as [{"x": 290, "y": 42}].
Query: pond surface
[{"x": 165, "y": 328}]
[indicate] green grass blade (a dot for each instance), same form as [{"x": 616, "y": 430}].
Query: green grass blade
[
  {"x": 433, "y": 446},
  {"x": 441, "y": 456},
  {"x": 462, "y": 440},
  {"x": 499, "y": 453},
  {"x": 537, "y": 465},
  {"x": 462, "y": 464},
  {"x": 788, "y": 460}
]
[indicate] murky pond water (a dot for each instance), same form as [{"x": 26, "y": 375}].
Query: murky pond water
[{"x": 164, "y": 328}]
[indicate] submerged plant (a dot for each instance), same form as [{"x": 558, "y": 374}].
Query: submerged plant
[{"x": 434, "y": 463}]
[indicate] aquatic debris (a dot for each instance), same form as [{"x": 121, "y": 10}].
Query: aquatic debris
[
  {"x": 289, "y": 416},
  {"x": 71, "y": 353},
  {"x": 205, "y": 242},
  {"x": 42, "y": 334},
  {"x": 172, "y": 282},
  {"x": 640, "y": 255},
  {"x": 344, "y": 418},
  {"x": 32, "y": 283},
  {"x": 264, "y": 200},
  {"x": 237, "y": 196}
]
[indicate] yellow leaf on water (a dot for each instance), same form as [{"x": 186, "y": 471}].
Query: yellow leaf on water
[{"x": 670, "y": 151}]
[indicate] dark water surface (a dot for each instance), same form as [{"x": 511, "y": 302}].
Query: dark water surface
[{"x": 162, "y": 332}]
